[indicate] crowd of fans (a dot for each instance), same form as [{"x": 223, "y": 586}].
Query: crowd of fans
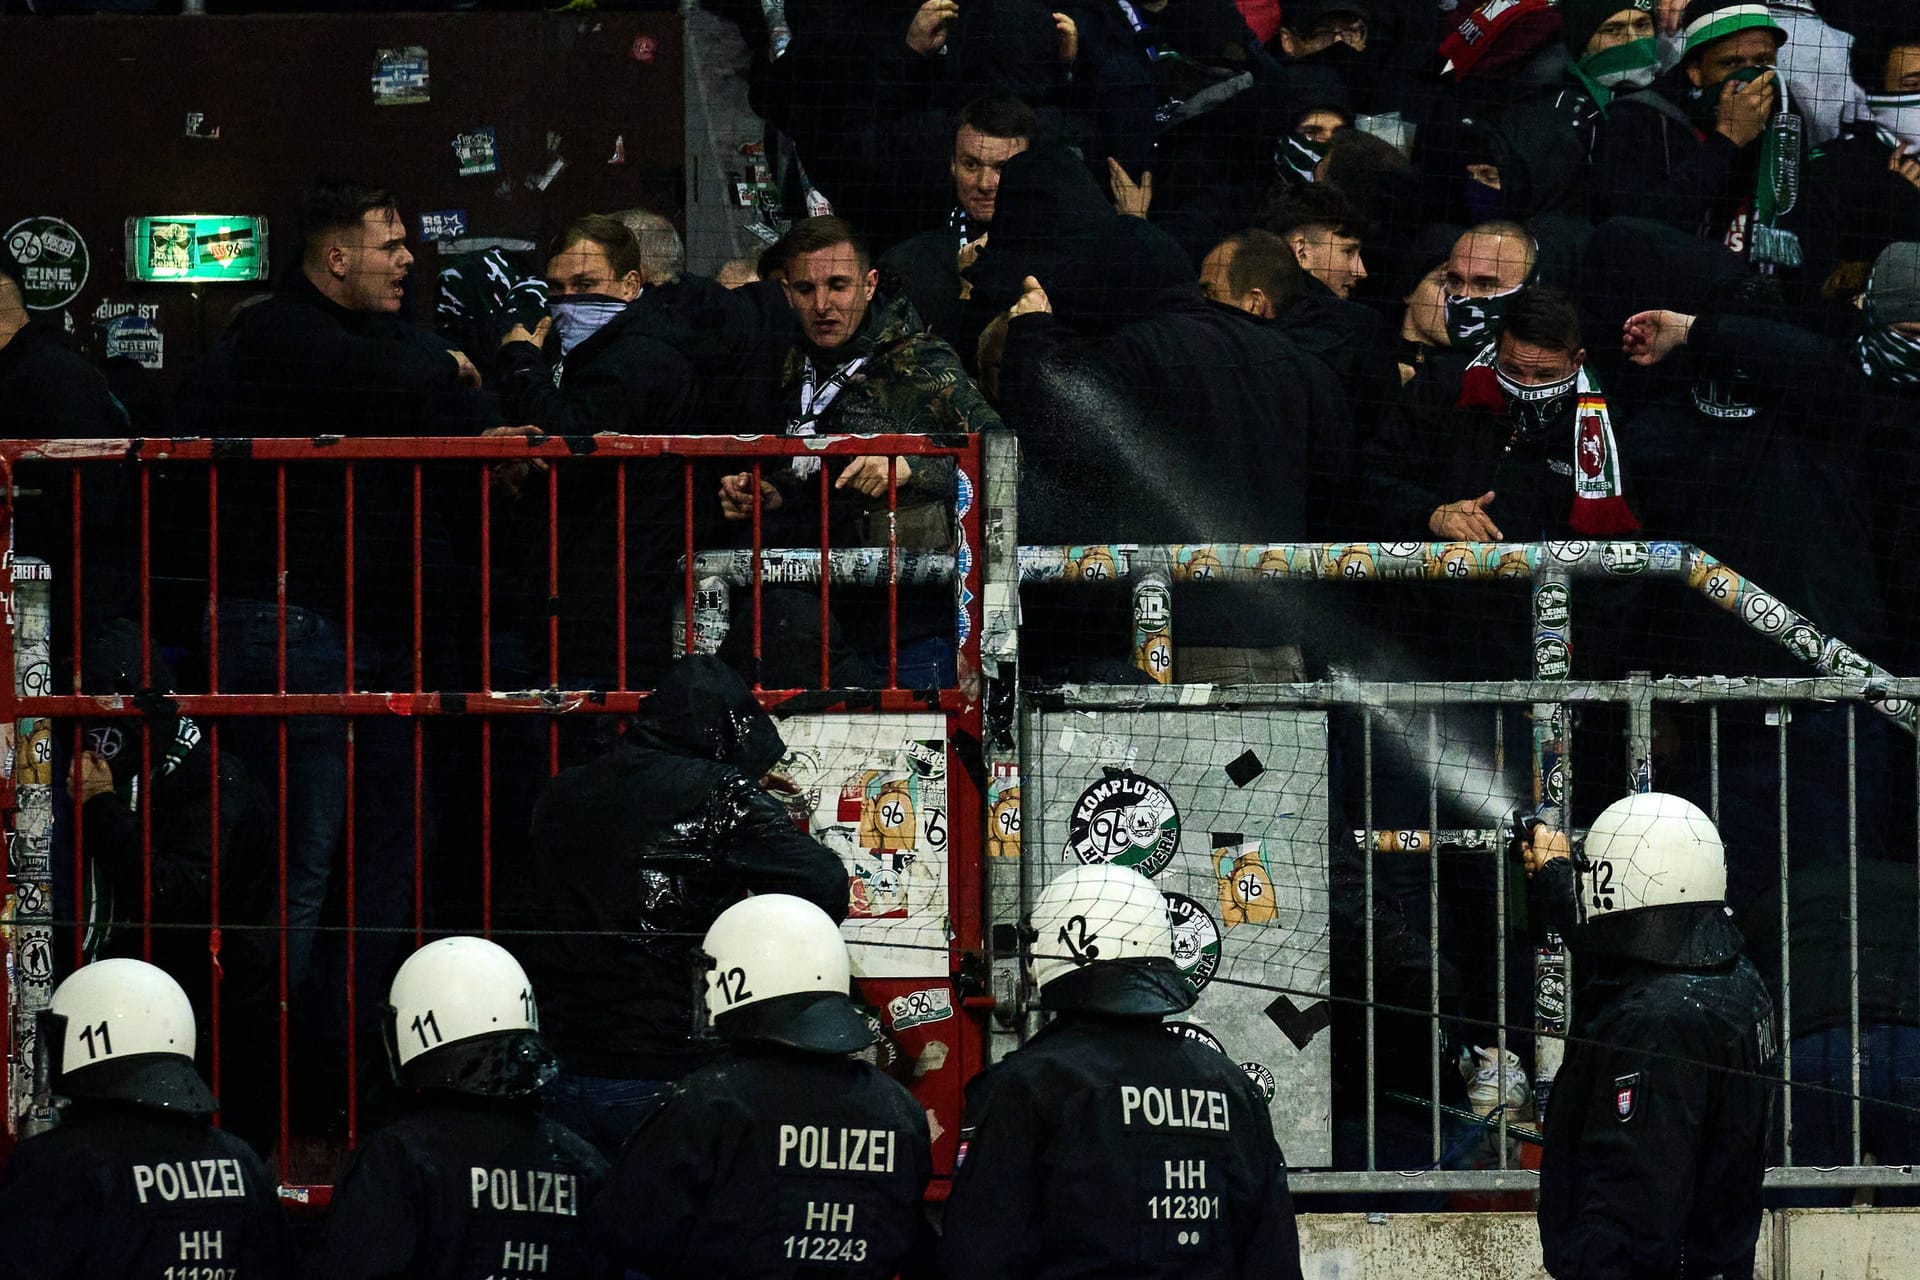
[{"x": 1323, "y": 271}]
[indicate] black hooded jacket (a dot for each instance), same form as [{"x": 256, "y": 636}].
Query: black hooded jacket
[
  {"x": 634, "y": 855},
  {"x": 1656, "y": 1138},
  {"x": 1147, "y": 414}
]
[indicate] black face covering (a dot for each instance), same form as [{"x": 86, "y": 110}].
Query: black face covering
[{"x": 1535, "y": 411}]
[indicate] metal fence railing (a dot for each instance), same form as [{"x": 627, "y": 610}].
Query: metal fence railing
[{"x": 707, "y": 587}]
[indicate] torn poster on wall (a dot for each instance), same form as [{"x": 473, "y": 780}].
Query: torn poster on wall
[{"x": 874, "y": 789}]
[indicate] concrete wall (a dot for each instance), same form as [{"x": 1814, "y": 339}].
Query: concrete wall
[{"x": 1797, "y": 1244}]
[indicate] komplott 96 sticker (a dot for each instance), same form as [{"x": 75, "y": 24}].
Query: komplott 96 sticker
[
  {"x": 1127, "y": 820},
  {"x": 1196, "y": 939}
]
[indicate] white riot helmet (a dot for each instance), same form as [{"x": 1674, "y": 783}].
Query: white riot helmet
[
  {"x": 1652, "y": 850},
  {"x": 461, "y": 1016},
  {"x": 777, "y": 971},
  {"x": 124, "y": 1029},
  {"x": 1102, "y": 941}
]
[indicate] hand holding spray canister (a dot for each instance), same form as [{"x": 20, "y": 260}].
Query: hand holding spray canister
[{"x": 1550, "y": 979}]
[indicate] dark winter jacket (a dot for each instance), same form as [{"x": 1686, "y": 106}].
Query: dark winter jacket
[
  {"x": 774, "y": 1164},
  {"x": 926, "y": 270},
  {"x": 1147, "y": 414},
  {"x": 1776, "y": 494},
  {"x": 1856, "y": 206},
  {"x": 1112, "y": 1147},
  {"x": 304, "y": 366},
  {"x": 1658, "y": 155},
  {"x": 49, "y": 391},
  {"x": 458, "y": 1189},
  {"x": 1657, "y": 1134},
  {"x": 90, "y": 1198},
  {"x": 633, "y": 856}
]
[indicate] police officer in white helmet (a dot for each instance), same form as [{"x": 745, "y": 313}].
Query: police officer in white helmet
[
  {"x": 1656, "y": 1140},
  {"x": 785, "y": 1157},
  {"x": 472, "y": 1181},
  {"x": 133, "y": 1180},
  {"x": 1109, "y": 1145}
]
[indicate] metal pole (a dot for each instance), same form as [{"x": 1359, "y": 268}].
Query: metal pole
[
  {"x": 1783, "y": 714},
  {"x": 1366, "y": 863},
  {"x": 1153, "y": 624},
  {"x": 1853, "y": 915},
  {"x": 1552, "y": 776},
  {"x": 1433, "y": 925}
]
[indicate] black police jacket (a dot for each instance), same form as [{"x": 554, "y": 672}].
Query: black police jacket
[
  {"x": 461, "y": 1189},
  {"x": 1657, "y": 1135},
  {"x": 1112, "y": 1147},
  {"x": 774, "y": 1162},
  {"x": 120, "y": 1189},
  {"x": 634, "y": 855}
]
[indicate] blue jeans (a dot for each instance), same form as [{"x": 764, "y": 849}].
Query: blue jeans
[
  {"x": 602, "y": 1109},
  {"x": 316, "y": 797},
  {"x": 1823, "y": 1118}
]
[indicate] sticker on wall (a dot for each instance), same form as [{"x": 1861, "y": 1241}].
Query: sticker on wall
[
  {"x": 400, "y": 76},
  {"x": 1196, "y": 939},
  {"x": 1262, "y": 1079},
  {"x": 1246, "y": 890},
  {"x": 53, "y": 259},
  {"x": 477, "y": 152},
  {"x": 1127, "y": 820},
  {"x": 136, "y": 338},
  {"x": 443, "y": 225},
  {"x": 200, "y": 128},
  {"x": 644, "y": 48},
  {"x": 1003, "y": 812},
  {"x": 917, "y": 1008},
  {"x": 1198, "y": 1034}
]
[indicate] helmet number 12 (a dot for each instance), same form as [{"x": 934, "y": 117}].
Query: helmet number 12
[
  {"x": 1602, "y": 873},
  {"x": 733, "y": 985},
  {"x": 424, "y": 1024}
]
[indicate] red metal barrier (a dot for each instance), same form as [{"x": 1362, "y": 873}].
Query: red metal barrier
[{"x": 253, "y": 466}]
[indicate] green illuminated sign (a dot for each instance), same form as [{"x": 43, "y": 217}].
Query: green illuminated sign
[{"x": 197, "y": 248}]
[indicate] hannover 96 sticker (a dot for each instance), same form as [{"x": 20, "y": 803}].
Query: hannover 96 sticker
[
  {"x": 1196, "y": 939},
  {"x": 1127, "y": 820}
]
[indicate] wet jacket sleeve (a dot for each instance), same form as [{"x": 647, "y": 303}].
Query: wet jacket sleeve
[
  {"x": 767, "y": 853},
  {"x": 1640, "y": 1170},
  {"x": 988, "y": 1221},
  {"x": 656, "y": 1196},
  {"x": 373, "y": 1229}
]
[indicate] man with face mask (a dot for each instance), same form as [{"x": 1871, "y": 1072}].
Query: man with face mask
[
  {"x": 1864, "y": 187},
  {"x": 1614, "y": 52},
  {"x": 1703, "y": 148},
  {"x": 621, "y": 379},
  {"x": 1518, "y": 446},
  {"x": 1489, "y": 266}
]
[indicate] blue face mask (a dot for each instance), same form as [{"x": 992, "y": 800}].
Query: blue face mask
[{"x": 579, "y": 316}]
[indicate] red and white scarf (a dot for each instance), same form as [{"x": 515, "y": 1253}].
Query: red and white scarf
[{"x": 1599, "y": 508}]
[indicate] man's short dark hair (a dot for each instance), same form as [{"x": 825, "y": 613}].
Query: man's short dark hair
[
  {"x": 338, "y": 204},
  {"x": 811, "y": 235},
  {"x": 1313, "y": 205},
  {"x": 999, "y": 115},
  {"x": 613, "y": 237},
  {"x": 1261, "y": 260},
  {"x": 1543, "y": 317},
  {"x": 1867, "y": 59}
]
